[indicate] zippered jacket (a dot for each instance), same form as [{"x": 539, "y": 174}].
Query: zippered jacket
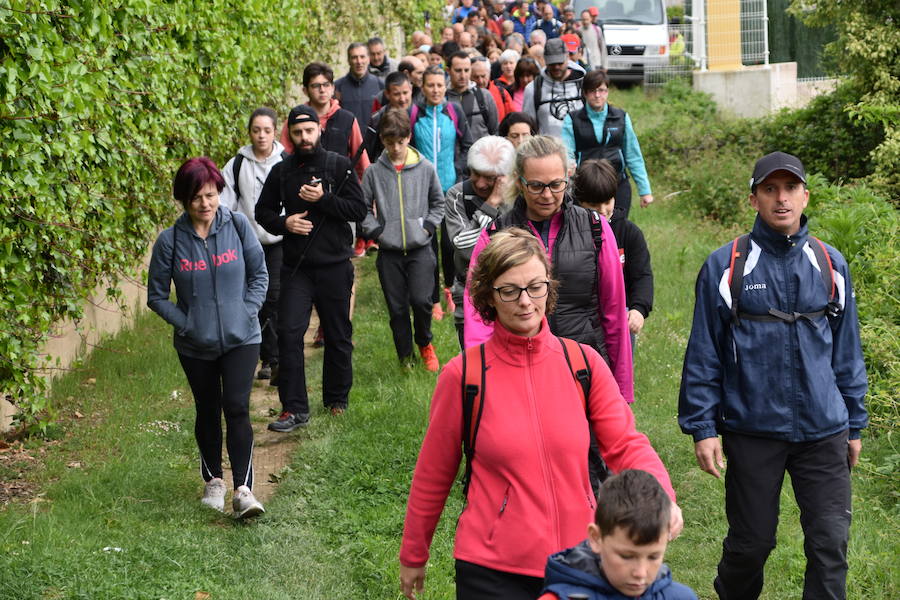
[
  {"x": 600, "y": 288},
  {"x": 250, "y": 181},
  {"x": 220, "y": 284},
  {"x": 442, "y": 141},
  {"x": 331, "y": 240},
  {"x": 635, "y": 257},
  {"x": 530, "y": 493},
  {"x": 796, "y": 382},
  {"x": 577, "y": 571},
  {"x": 405, "y": 207}
]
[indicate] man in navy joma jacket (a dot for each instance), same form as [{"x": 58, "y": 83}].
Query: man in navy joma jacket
[{"x": 781, "y": 378}]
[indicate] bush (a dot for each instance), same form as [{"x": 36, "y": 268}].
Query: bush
[
  {"x": 99, "y": 103},
  {"x": 825, "y": 136}
]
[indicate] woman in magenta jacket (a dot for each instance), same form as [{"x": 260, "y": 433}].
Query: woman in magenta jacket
[{"x": 529, "y": 493}]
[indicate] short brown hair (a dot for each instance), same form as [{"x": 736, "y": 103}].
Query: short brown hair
[
  {"x": 507, "y": 249},
  {"x": 635, "y": 501},
  {"x": 595, "y": 182},
  {"x": 394, "y": 124},
  {"x": 593, "y": 80}
]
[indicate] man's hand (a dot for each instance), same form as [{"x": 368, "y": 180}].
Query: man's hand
[
  {"x": 709, "y": 456},
  {"x": 297, "y": 224},
  {"x": 854, "y": 448},
  {"x": 412, "y": 580},
  {"x": 311, "y": 193},
  {"x": 646, "y": 200},
  {"x": 676, "y": 522},
  {"x": 499, "y": 191},
  {"x": 635, "y": 321}
]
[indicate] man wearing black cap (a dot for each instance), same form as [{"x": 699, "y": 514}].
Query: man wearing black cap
[
  {"x": 308, "y": 198},
  {"x": 556, "y": 92},
  {"x": 774, "y": 366}
]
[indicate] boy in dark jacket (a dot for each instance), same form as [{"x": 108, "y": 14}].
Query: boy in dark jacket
[
  {"x": 597, "y": 180},
  {"x": 623, "y": 553},
  {"x": 405, "y": 207}
]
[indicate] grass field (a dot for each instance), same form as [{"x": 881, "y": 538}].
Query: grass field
[{"x": 116, "y": 511}]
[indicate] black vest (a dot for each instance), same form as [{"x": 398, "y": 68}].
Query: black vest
[
  {"x": 336, "y": 136},
  {"x": 589, "y": 146},
  {"x": 574, "y": 261}
]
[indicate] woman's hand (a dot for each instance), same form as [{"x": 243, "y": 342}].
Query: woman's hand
[
  {"x": 635, "y": 321},
  {"x": 676, "y": 522},
  {"x": 412, "y": 580}
]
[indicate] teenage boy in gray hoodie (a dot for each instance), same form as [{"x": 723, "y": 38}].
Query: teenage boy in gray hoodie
[{"x": 405, "y": 207}]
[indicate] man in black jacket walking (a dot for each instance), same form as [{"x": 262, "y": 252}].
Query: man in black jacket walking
[{"x": 308, "y": 198}]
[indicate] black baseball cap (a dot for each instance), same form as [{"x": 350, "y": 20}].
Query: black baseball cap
[
  {"x": 776, "y": 161},
  {"x": 302, "y": 114}
]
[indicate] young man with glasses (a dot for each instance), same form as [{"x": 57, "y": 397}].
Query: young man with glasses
[
  {"x": 599, "y": 130},
  {"x": 582, "y": 247}
]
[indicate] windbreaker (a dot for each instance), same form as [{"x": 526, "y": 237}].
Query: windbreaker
[
  {"x": 577, "y": 571},
  {"x": 220, "y": 284},
  {"x": 251, "y": 178},
  {"x": 796, "y": 382},
  {"x": 610, "y": 294},
  {"x": 442, "y": 141},
  {"x": 405, "y": 207},
  {"x": 530, "y": 493}
]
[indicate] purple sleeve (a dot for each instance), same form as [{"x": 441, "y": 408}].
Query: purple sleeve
[
  {"x": 475, "y": 331},
  {"x": 614, "y": 313}
]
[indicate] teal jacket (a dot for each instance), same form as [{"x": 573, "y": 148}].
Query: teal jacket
[{"x": 631, "y": 148}]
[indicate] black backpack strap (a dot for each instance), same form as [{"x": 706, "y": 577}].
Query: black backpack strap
[
  {"x": 473, "y": 386},
  {"x": 489, "y": 120},
  {"x": 236, "y": 172},
  {"x": 739, "y": 249},
  {"x": 580, "y": 368},
  {"x": 596, "y": 232},
  {"x": 538, "y": 83}
]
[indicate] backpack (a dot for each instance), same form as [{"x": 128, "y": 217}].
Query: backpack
[
  {"x": 557, "y": 104},
  {"x": 490, "y": 123},
  {"x": 739, "y": 250},
  {"x": 451, "y": 112},
  {"x": 236, "y": 172},
  {"x": 473, "y": 393}
]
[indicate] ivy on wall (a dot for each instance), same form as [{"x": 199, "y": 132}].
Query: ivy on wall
[{"x": 100, "y": 101}]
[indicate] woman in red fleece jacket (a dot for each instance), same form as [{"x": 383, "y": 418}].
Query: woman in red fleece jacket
[{"x": 529, "y": 494}]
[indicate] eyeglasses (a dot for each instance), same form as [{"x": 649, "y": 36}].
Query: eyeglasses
[
  {"x": 597, "y": 91},
  {"x": 319, "y": 86},
  {"x": 537, "y": 187},
  {"x": 511, "y": 293}
]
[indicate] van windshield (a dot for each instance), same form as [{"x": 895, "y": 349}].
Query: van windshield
[{"x": 626, "y": 12}]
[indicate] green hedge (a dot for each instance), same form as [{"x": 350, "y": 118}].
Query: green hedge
[{"x": 99, "y": 103}]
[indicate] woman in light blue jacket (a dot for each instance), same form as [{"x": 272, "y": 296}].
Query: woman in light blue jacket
[{"x": 219, "y": 271}]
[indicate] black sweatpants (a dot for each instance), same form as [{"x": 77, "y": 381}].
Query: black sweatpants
[
  {"x": 820, "y": 476},
  {"x": 223, "y": 386},
  {"x": 623, "y": 194},
  {"x": 474, "y": 582},
  {"x": 268, "y": 313},
  {"x": 327, "y": 287},
  {"x": 406, "y": 281}
]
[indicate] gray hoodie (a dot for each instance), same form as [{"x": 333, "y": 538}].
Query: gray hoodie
[
  {"x": 220, "y": 283},
  {"x": 251, "y": 179},
  {"x": 404, "y": 207}
]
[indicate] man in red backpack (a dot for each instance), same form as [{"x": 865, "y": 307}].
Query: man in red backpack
[{"x": 774, "y": 366}]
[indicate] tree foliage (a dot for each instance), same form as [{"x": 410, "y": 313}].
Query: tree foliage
[
  {"x": 100, "y": 101},
  {"x": 868, "y": 50}
]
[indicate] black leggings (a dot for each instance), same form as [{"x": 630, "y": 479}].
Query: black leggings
[
  {"x": 474, "y": 582},
  {"x": 223, "y": 385}
]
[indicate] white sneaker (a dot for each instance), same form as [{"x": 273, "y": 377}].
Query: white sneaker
[
  {"x": 245, "y": 503},
  {"x": 214, "y": 494}
]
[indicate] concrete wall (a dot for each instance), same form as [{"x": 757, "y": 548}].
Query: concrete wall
[{"x": 752, "y": 91}]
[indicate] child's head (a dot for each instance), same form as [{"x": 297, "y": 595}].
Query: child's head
[
  {"x": 594, "y": 186},
  {"x": 631, "y": 530},
  {"x": 395, "y": 132}
]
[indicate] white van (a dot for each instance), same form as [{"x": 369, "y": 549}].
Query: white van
[{"x": 636, "y": 32}]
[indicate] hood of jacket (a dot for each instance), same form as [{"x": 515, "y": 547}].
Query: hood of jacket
[{"x": 251, "y": 178}]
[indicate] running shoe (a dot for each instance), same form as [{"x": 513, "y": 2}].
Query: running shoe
[
  {"x": 245, "y": 504},
  {"x": 371, "y": 247},
  {"x": 214, "y": 494},
  {"x": 265, "y": 372},
  {"x": 319, "y": 338},
  {"x": 359, "y": 249},
  {"x": 448, "y": 299},
  {"x": 288, "y": 422},
  {"x": 429, "y": 358},
  {"x": 437, "y": 313}
]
